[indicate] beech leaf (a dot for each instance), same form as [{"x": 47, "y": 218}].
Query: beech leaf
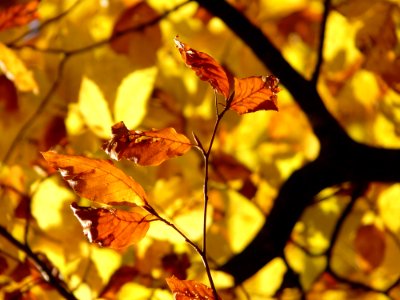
[
  {"x": 113, "y": 228},
  {"x": 255, "y": 93},
  {"x": 206, "y": 68},
  {"x": 146, "y": 148},
  {"x": 97, "y": 179},
  {"x": 189, "y": 289},
  {"x": 370, "y": 245}
]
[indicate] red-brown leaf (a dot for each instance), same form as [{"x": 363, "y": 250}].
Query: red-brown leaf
[
  {"x": 206, "y": 68},
  {"x": 189, "y": 289},
  {"x": 134, "y": 36},
  {"x": 112, "y": 228},
  {"x": 255, "y": 93},
  {"x": 97, "y": 179},
  {"x": 120, "y": 277},
  {"x": 18, "y": 14},
  {"x": 146, "y": 148},
  {"x": 8, "y": 95},
  {"x": 370, "y": 245}
]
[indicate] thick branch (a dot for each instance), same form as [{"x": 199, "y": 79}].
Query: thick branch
[{"x": 340, "y": 160}]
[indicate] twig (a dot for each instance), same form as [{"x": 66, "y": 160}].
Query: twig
[
  {"x": 320, "y": 55},
  {"x": 38, "y": 111},
  {"x": 43, "y": 25},
  {"x": 43, "y": 269}
]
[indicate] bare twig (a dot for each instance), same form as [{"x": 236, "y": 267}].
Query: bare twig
[
  {"x": 43, "y": 269},
  {"x": 320, "y": 56}
]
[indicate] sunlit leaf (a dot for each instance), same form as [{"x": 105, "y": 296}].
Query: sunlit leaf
[
  {"x": 15, "y": 70},
  {"x": 370, "y": 245},
  {"x": 206, "y": 68},
  {"x": 133, "y": 95},
  {"x": 254, "y": 94},
  {"x": 137, "y": 35},
  {"x": 189, "y": 289},
  {"x": 94, "y": 108},
  {"x": 18, "y": 14},
  {"x": 97, "y": 179},
  {"x": 146, "y": 148},
  {"x": 113, "y": 228}
]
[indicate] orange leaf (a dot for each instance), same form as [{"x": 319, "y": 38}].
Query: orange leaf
[
  {"x": 146, "y": 148},
  {"x": 97, "y": 179},
  {"x": 254, "y": 94},
  {"x": 370, "y": 244},
  {"x": 111, "y": 228},
  {"x": 18, "y": 14},
  {"x": 206, "y": 68},
  {"x": 189, "y": 289}
]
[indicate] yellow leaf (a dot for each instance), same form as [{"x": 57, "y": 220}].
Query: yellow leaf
[
  {"x": 15, "y": 70},
  {"x": 133, "y": 95},
  {"x": 94, "y": 108}
]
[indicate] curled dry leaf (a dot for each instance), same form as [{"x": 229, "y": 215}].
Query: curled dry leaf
[
  {"x": 370, "y": 245},
  {"x": 113, "y": 228},
  {"x": 189, "y": 289},
  {"x": 97, "y": 179},
  {"x": 17, "y": 14},
  {"x": 206, "y": 68},
  {"x": 146, "y": 148},
  {"x": 254, "y": 94}
]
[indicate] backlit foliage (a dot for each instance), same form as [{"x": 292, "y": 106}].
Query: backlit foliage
[{"x": 81, "y": 76}]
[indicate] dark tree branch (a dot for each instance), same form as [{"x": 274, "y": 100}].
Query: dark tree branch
[
  {"x": 340, "y": 160},
  {"x": 320, "y": 56},
  {"x": 43, "y": 269}
]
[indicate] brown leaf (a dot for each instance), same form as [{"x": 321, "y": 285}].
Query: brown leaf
[
  {"x": 369, "y": 244},
  {"x": 8, "y": 94},
  {"x": 176, "y": 264},
  {"x": 206, "y": 68},
  {"x": 254, "y": 94},
  {"x": 134, "y": 37},
  {"x": 146, "y": 148},
  {"x": 112, "y": 228},
  {"x": 97, "y": 179},
  {"x": 121, "y": 276},
  {"x": 18, "y": 14},
  {"x": 189, "y": 289},
  {"x": 3, "y": 264}
]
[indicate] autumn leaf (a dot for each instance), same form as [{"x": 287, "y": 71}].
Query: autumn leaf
[
  {"x": 189, "y": 289},
  {"x": 254, "y": 94},
  {"x": 146, "y": 148},
  {"x": 97, "y": 179},
  {"x": 206, "y": 68},
  {"x": 15, "y": 70},
  {"x": 18, "y": 14},
  {"x": 113, "y": 228},
  {"x": 124, "y": 274},
  {"x": 134, "y": 36},
  {"x": 8, "y": 94},
  {"x": 370, "y": 245}
]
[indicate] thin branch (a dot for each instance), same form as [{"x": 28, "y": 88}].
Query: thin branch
[
  {"x": 39, "y": 110},
  {"x": 320, "y": 55},
  {"x": 43, "y": 269},
  {"x": 44, "y": 24}
]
